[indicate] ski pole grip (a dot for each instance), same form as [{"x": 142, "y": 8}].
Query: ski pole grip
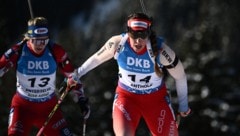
[{"x": 63, "y": 86}]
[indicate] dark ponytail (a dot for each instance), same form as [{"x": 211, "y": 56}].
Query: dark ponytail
[{"x": 153, "y": 40}]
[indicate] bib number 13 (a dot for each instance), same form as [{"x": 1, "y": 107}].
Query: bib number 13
[{"x": 41, "y": 83}]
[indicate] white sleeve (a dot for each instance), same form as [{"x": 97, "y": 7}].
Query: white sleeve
[
  {"x": 176, "y": 70},
  {"x": 102, "y": 55},
  {"x": 181, "y": 86}
]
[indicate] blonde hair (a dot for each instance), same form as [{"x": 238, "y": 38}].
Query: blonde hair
[{"x": 38, "y": 21}]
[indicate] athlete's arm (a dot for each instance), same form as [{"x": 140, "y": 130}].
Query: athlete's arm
[
  {"x": 9, "y": 59},
  {"x": 105, "y": 53},
  {"x": 176, "y": 70},
  {"x": 64, "y": 64}
]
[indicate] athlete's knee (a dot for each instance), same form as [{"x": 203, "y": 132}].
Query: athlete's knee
[{"x": 124, "y": 131}]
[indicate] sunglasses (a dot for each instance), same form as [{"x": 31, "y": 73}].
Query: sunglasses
[
  {"x": 40, "y": 41},
  {"x": 138, "y": 34}
]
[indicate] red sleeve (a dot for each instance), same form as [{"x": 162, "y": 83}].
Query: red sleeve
[
  {"x": 10, "y": 57},
  {"x": 64, "y": 64}
]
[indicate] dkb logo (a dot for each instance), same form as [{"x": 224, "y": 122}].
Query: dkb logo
[
  {"x": 138, "y": 62},
  {"x": 38, "y": 65}
]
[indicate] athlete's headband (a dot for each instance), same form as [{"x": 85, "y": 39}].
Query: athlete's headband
[
  {"x": 37, "y": 31},
  {"x": 138, "y": 24}
]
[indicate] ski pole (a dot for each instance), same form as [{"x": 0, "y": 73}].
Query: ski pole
[
  {"x": 143, "y": 7},
  {"x": 84, "y": 127},
  {"x": 55, "y": 108},
  {"x": 178, "y": 119},
  {"x": 30, "y": 8}
]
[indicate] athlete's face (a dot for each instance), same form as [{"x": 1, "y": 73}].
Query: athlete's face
[
  {"x": 39, "y": 44},
  {"x": 138, "y": 40}
]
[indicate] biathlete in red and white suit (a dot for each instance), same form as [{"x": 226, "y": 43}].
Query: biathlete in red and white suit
[
  {"x": 36, "y": 61},
  {"x": 141, "y": 91}
]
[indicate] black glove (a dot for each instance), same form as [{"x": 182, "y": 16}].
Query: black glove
[{"x": 85, "y": 108}]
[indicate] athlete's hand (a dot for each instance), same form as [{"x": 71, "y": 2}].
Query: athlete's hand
[
  {"x": 185, "y": 114},
  {"x": 73, "y": 81},
  {"x": 74, "y": 84}
]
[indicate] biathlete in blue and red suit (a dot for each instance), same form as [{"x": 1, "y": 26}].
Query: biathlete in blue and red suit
[
  {"x": 141, "y": 92},
  {"x": 36, "y": 60}
]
